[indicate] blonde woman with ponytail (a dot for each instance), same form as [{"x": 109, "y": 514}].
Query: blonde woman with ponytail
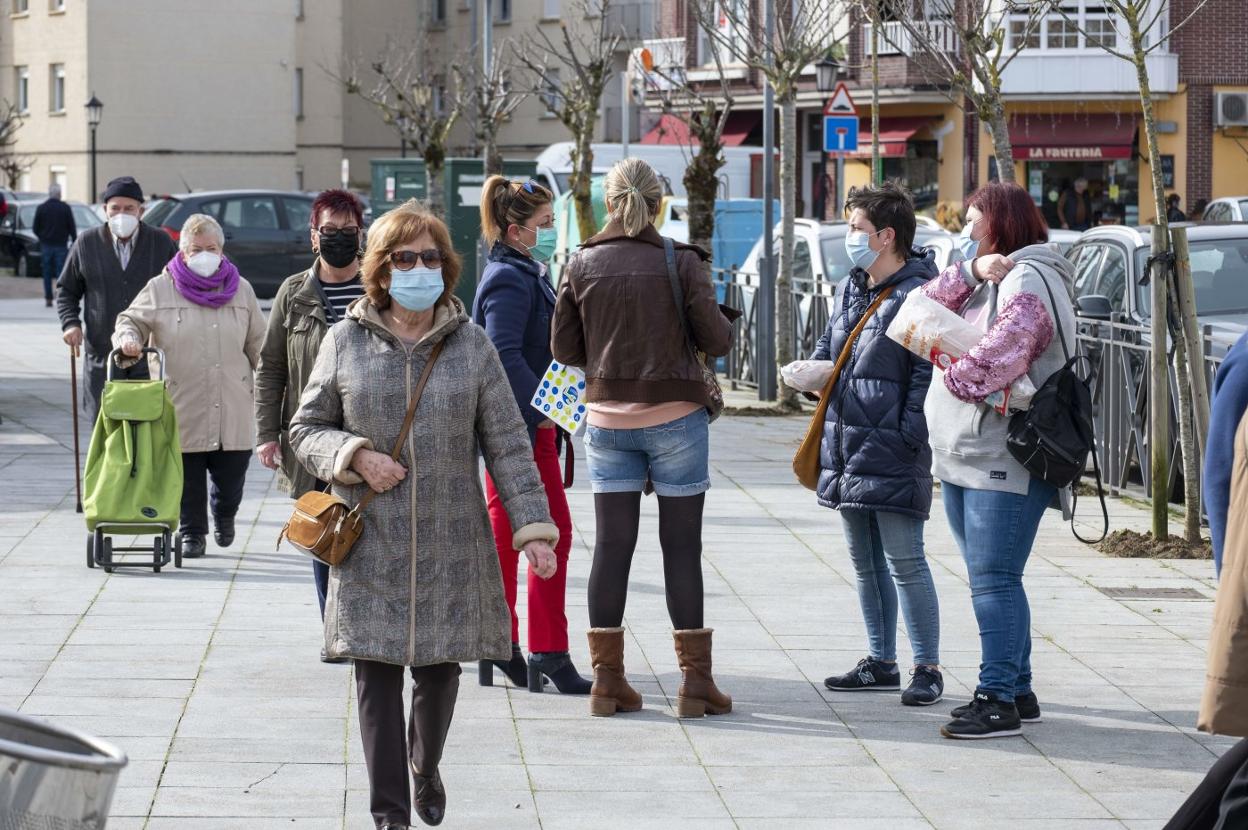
[
  {"x": 617, "y": 317},
  {"x": 514, "y": 304}
]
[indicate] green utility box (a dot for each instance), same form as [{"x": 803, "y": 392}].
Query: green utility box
[{"x": 397, "y": 180}]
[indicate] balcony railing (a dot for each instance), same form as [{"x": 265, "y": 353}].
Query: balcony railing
[
  {"x": 633, "y": 22},
  {"x": 895, "y": 39}
]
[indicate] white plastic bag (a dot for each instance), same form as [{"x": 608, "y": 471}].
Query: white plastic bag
[
  {"x": 807, "y": 375},
  {"x": 933, "y": 332}
]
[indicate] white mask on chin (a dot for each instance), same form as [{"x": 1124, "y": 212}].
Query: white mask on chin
[{"x": 123, "y": 225}]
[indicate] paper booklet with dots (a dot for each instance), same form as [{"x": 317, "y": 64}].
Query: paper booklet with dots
[{"x": 561, "y": 397}]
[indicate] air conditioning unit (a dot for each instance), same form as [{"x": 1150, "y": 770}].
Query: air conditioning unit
[{"x": 1230, "y": 109}]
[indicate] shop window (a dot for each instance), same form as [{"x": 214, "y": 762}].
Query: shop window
[{"x": 918, "y": 171}]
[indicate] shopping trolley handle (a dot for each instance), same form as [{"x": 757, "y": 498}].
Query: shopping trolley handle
[{"x": 112, "y": 360}]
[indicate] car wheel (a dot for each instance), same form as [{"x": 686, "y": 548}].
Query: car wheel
[{"x": 20, "y": 264}]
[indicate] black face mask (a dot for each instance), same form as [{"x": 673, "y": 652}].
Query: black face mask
[{"x": 340, "y": 251}]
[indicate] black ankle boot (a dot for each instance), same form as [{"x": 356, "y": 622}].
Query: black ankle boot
[
  {"x": 556, "y": 665},
  {"x": 223, "y": 530},
  {"x": 516, "y": 669}
]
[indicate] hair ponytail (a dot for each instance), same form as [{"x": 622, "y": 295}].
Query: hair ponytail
[
  {"x": 632, "y": 188},
  {"x": 505, "y": 203},
  {"x": 492, "y": 194}
]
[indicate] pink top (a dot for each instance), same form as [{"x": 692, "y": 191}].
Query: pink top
[{"x": 633, "y": 415}]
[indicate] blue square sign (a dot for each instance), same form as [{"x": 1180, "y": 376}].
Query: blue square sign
[{"x": 840, "y": 133}]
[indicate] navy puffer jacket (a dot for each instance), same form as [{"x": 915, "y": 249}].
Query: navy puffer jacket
[{"x": 875, "y": 453}]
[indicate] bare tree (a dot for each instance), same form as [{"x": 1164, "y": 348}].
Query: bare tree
[
  {"x": 704, "y": 117},
  {"x": 965, "y": 46},
  {"x": 570, "y": 73},
  {"x": 491, "y": 100},
  {"x": 12, "y": 165},
  {"x": 804, "y": 32},
  {"x": 408, "y": 88},
  {"x": 1137, "y": 32}
]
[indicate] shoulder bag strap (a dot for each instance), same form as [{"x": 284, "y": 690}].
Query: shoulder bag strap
[
  {"x": 678, "y": 293},
  {"x": 407, "y": 420},
  {"x": 843, "y": 357}
]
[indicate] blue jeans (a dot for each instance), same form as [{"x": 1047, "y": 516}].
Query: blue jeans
[
  {"x": 52, "y": 260},
  {"x": 320, "y": 573},
  {"x": 995, "y": 531},
  {"x": 887, "y": 551},
  {"x": 674, "y": 456}
]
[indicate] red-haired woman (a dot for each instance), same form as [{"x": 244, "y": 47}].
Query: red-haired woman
[
  {"x": 307, "y": 304},
  {"x": 1014, "y": 288}
]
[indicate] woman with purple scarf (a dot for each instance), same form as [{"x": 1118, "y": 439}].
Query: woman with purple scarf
[{"x": 205, "y": 318}]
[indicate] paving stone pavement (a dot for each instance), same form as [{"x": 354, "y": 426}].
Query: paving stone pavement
[{"x": 208, "y": 677}]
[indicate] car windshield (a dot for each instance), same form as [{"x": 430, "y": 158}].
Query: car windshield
[
  {"x": 84, "y": 217},
  {"x": 836, "y": 264},
  {"x": 27, "y": 216},
  {"x": 1219, "y": 274},
  {"x": 1243, "y": 208},
  {"x": 159, "y": 210}
]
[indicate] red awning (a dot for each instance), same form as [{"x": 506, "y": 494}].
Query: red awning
[
  {"x": 672, "y": 130},
  {"x": 894, "y": 133},
  {"x": 1072, "y": 137}
]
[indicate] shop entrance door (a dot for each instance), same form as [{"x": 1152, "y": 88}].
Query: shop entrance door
[{"x": 1113, "y": 182}]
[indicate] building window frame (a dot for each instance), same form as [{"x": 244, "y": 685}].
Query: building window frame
[
  {"x": 437, "y": 13},
  {"x": 502, "y": 11},
  {"x": 704, "y": 56},
  {"x": 56, "y": 6},
  {"x": 1087, "y": 24},
  {"x": 21, "y": 82},
  {"x": 56, "y": 88},
  {"x": 552, "y": 10},
  {"x": 298, "y": 93},
  {"x": 551, "y": 93},
  {"x": 21, "y": 8}
]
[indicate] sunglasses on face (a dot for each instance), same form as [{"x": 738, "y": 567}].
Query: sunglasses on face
[
  {"x": 326, "y": 232},
  {"x": 406, "y": 260}
]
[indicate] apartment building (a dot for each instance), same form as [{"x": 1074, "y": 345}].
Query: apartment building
[{"x": 247, "y": 93}]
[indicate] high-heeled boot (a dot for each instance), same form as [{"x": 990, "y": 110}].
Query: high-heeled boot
[
  {"x": 516, "y": 669},
  {"x": 610, "y": 692},
  {"x": 556, "y": 665},
  {"x": 697, "y": 695}
]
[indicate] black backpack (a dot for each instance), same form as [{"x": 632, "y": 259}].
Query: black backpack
[{"x": 1052, "y": 439}]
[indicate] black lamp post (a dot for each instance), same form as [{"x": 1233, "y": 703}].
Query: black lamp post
[
  {"x": 825, "y": 82},
  {"x": 95, "y": 111}
]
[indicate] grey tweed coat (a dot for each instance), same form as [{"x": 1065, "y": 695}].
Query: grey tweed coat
[{"x": 422, "y": 584}]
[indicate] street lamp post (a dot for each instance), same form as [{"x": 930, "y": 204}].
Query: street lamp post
[
  {"x": 825, "y": 82},
  {"x": 95, "y": 111},
  {"x": 401, "y": 124}
]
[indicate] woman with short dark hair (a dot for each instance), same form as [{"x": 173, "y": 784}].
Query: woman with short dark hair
[
  {"x": 421, "y": 588},
  {"x": 1013, "y": 287}
]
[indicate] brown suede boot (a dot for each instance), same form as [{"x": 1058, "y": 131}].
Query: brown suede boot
[
  {"x": 611, "y": 692},
  {"x": 697, "y": 695}
]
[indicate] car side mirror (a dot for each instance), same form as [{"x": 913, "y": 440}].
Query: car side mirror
[{"x": 1094, "y": 306}]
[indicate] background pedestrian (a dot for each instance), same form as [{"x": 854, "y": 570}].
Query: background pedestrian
[
  {"x": 205, "y": 317},
  {"x": 55, "y": 229},
  {"x": 1074, "y": 206},
  {"x": 514, "y": 304}
]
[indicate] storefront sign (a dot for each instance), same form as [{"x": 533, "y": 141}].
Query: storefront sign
[{"x": 1092, "y": 153}]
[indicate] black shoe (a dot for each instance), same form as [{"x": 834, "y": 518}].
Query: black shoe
[
  {"x": 193, "y": 546},
  {"x": 556, "y": 665},
  {"x": 223, "y": 530},
  {"x": 987, "y": 717},
  {"x": 1027, "y": 704},
  {"x": 430, "y": 799},
  {"x": 396, "y": 827},
  {"x": 868, "y": 676},
  {"x": 926, "y": 687},
  {"x": 516, "y": 669},
  {"x": 325, "y": 658}
]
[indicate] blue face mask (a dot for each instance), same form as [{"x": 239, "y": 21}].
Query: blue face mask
[
  {"x": 858, "y": 247},
  {"x": 969, "y": 247},
  {"x": 417, "y": 289}
]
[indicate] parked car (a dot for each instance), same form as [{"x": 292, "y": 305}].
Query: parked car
[
  {"x": 266, "y": 231},
  {"x": 19, "y": 248},
  {"x": 1229, "y": 209},
  {"x": 1111, "y": 261},
  {"x": 1063, "y": 238}
]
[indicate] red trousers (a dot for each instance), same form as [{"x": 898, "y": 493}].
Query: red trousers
[{"x": 548, "y": 626}]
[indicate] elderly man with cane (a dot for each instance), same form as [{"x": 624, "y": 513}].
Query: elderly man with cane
[{"x": 106, "y": 269}]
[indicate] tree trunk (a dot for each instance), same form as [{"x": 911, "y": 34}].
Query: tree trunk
[
  {"x": 493, "y": 158},
  {"x": 876, "y": 169},
  {"x": 582, "y": 177},
  {"x": 702, "y": 186},
  {"x": 1191, "y": 463},
  {"x": 1001, "y": 147},
  {"x": 787, "y": 398}
]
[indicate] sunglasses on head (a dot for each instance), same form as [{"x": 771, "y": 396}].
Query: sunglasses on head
[
  {"x": 332, "y": 233},
  {"x": 406, "y": 260},
  {"x": 530, "y": 187}
]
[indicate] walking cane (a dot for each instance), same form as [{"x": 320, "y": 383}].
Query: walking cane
[{"x": 73, "y": 382}]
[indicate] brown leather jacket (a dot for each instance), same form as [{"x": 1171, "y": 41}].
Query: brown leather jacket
[{"x": 616, "y": 319}]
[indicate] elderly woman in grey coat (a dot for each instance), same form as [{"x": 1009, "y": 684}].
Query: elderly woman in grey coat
[{"x": 421, "y": 588}]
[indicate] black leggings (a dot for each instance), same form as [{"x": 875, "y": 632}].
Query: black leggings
[
  {"x": 1220, "y": 801},
  {"x": 680, "y": 534}
]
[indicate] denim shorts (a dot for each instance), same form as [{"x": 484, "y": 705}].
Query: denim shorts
[{"x": 672, "y": 455}]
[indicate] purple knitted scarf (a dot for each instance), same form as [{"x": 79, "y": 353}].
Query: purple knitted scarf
[{"x": 214, "y": 291}]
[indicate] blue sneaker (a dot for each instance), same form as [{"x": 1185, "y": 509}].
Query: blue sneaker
[{"x": 926, "y": 687}]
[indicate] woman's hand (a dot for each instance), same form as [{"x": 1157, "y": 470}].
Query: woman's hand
[
  {"x": 541, "y": 558},
  {"x": 270, "y": 454},
  {"x": 991, "y": 267},
  {"x": 131, "y": 347},
  {"x": 378, "y": 469}
]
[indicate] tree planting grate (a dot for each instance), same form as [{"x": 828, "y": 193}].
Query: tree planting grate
[{"x": 1152, "y": 593}]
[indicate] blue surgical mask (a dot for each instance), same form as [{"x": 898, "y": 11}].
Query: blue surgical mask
[
  {"x": 544, "y": 248},
  {"x": 858, "y": 246},
  {"x": 417, "y": 289},
  {"x": 969, "y": 247}
]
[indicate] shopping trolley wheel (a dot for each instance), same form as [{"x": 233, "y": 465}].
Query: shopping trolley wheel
[
  {"x": 106, "y": 553},
  {"x": 157, "y": 553},
  {"x": 90, "y": 550},
  {"x": 177, "y": 548}
]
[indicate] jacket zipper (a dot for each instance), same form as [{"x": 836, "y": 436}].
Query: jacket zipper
[
  {"x": 411, "y": 596},
  {"x": 840, "y": 424}
]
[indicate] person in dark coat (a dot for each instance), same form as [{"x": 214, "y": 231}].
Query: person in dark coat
[
  {"x": 106, "y": 270},
  {"x": 1173, "y": 212},
  {"x": 514, "y": 304},
  {"x": 1074, "y": 207},
  {"x": 55, "y": 229},
  {"x": 875, "y": 459},
  {"x": 1229, "y": 403}
]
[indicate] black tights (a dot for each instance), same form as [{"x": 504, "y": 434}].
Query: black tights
[{"x": 680, "y": 534}]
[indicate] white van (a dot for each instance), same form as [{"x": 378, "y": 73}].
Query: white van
[{"x": 554, "y": 165}]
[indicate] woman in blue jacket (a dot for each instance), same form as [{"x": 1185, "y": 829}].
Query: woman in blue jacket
[
  {"x": 514, "y": 304},
  {"x": 876, "y": 465}
]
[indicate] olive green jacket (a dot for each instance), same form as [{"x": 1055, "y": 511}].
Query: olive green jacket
[{"x": 297, "y": 325}]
